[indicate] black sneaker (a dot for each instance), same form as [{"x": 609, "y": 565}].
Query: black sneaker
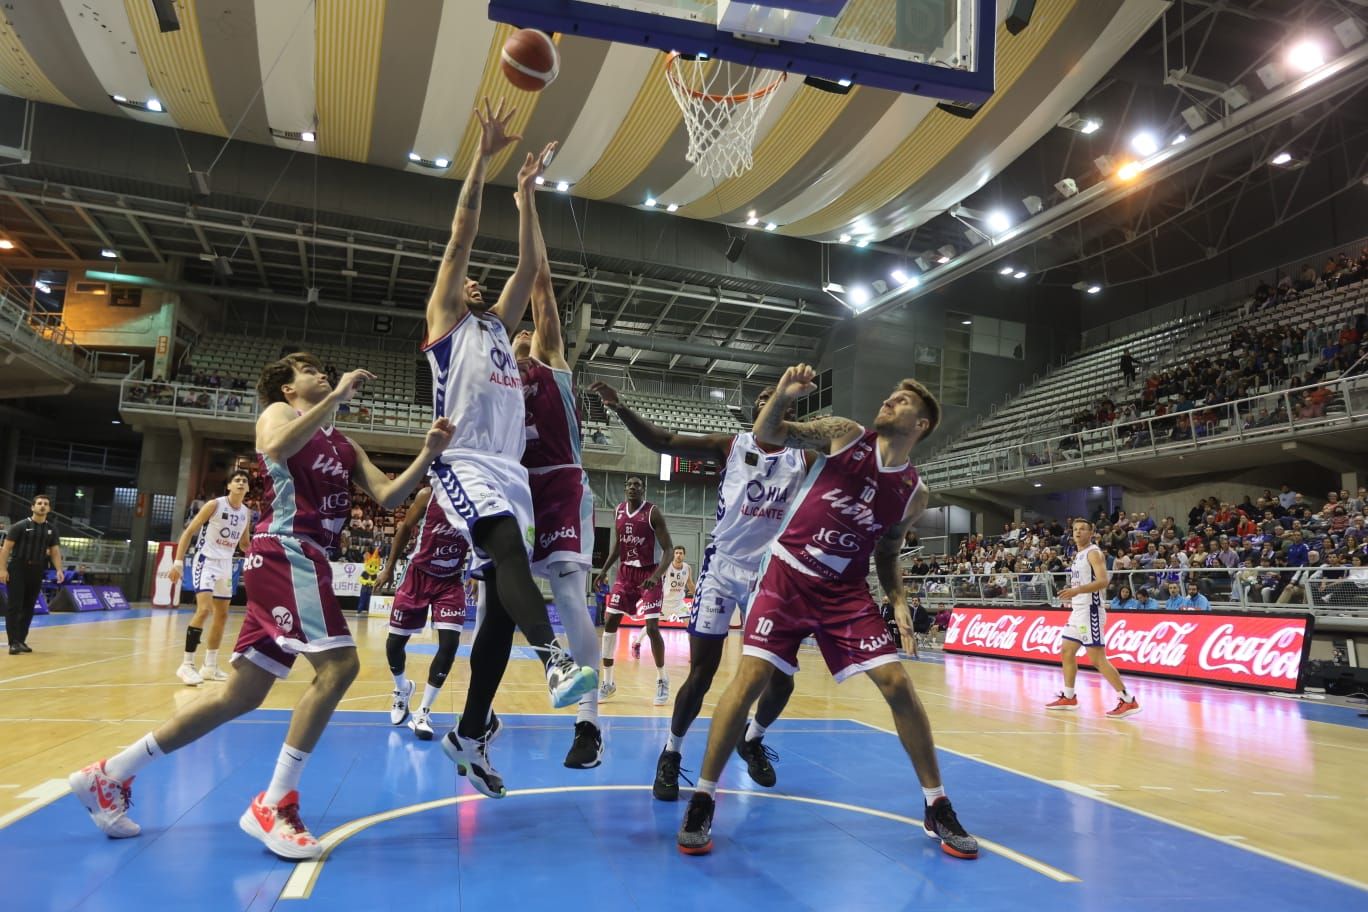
[
  {"x": 24, "y": 647},
  {"x": 695, "y": 833},
  {"x": 941, "y": 823},
  {"x": 666, "y": 785},
  {"x": 758, "y": 757},
  {"x": 586, "y": 751},
  {"x": 14, "y": 649}
]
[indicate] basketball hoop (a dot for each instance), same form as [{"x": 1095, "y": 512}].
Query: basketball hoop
[{"x": 722, "y": 104}]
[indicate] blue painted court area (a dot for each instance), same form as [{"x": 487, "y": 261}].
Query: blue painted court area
[{"x": 597, "y": 840}]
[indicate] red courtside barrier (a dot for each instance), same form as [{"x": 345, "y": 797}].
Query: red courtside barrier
[{"x": 1262, "y": 650}]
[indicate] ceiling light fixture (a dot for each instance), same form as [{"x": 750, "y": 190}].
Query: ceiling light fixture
[
  {"x": 307, "y": 136},
  {"x": 1305, "y": 56},
  {"x": 415, "y": 157},
  {"x": 752, "y": 219},
  {"x": 562, "y": 186},
  {"x": 898, "y": 276},
  {"x": 1007, "y": 270},
  {"x": 859, "y": 295},
  {"x": 541, "y": 181},
  {"x": 154, "y": 106},
  {"x": 845, "y": 239},
  {"x": 1129, "y": 170},
  {"x": 833, "y": 287},
  {"x": 109, "y": 253},
  {"x": 6, "y": 244},
  {"x": 650, "y": 202},
  {"x": 442, "y": 162},
  {"x": 862, "y": 243},
  {"x": 1144, "y": 143},
  {"x": 1094, "y": 289},
  {"x": 1281, "y": 158},
  {"x": 673, "y": 207},
  {"x": 770, "y": 226},
  {"x": 998, "y": 221},
  {"x": 1019, "y": 274}
]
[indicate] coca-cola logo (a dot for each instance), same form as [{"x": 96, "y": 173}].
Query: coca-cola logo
[
  {"x": 1160, "y": 644},
  {"x": 999, "y": 633},
  {"x": 1276, "y": 655}
]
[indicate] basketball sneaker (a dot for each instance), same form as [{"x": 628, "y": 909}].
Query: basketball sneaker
[
  {"x": 666, "y": 785},
  {"x": 941, "y": 823},
  {"x": 106, "y": 798},
  {"x": 471, "y": 756},
  {"x": 493, "y": 727},
  {"x": 758, "y": 757},
  {"x": 399, "y": 709},
  {"x": 213, "y": 673},
  {"x": 1124, "y": 708},
  {"x": 188, "y": 675},
  {"x": 421, "y": 724},
  {"x": 607, "y": 690},
  {"x": 662, "y": 694},
  {"x": 695, "y": 833},
  {"x": 586, "y": 751},
  {"x": 567, "y": 681},
  {"x": 280, "y": 828},
  {"x": 1063, "y": 703}
]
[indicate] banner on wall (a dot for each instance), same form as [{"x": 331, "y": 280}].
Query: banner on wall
[
  {"x": 1248, "y": 650},
  {"x": 112, "y": 597}
]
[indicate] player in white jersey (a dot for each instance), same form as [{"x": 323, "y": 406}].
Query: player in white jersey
[
  {"x": 1087, "y": 624},
  {"x": 757, "y": 486},
  {"x": 677, "y": 584},
  {"x": 224, "y": 524},
  {"x": 479, "y": 481}
]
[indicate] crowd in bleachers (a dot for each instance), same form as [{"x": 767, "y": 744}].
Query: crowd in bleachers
[{"x": 1275, "y": 548}]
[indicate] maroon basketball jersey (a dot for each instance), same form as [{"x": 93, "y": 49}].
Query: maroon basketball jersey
[
  {"x": 552, "y": 423},
  {"x": 440, "y": 549},
  {"x": 845, "y": 504},
  {"x": 309, "y": 495},
  {"x": 636, "y": 539}
]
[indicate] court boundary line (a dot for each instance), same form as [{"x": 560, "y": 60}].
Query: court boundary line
[{"x": 1225, "y": 840}]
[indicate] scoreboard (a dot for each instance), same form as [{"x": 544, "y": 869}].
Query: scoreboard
[{"x": 692, "y": 467}]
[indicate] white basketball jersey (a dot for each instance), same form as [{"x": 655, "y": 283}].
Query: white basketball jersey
[
  {"x": 1081, "y": 574},
  {"x": 220, "y": 535},
  {"x": 753, "y": 498},
  {"x": 676, "y": 581},
  {"x": 475, "y": 383}
]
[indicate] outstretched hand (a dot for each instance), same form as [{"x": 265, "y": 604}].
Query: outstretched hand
[
  {"x": 798, "y": 380},
  {"x": 532, "y": 168},
  {"x": 494, "y": 125},
  {"x": 605, "y": 393}
]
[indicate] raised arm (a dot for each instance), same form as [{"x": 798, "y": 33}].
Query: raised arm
[
  {"x": 548, "y": 343},
  {"x": 512, "y": 305},
  {"x": 654, "y": 437},
  {"x": 663, "y": 540},
  {"x": 826, "y": 435},
  {"x": 391, "y": 492},
  {"x": 886, "y": 553},
  {"x": 280, "y": 433},
  {"x": 183, "y": 543},
  {"x": 447, "y": 304},
  {"x": 402, "y": 534}
]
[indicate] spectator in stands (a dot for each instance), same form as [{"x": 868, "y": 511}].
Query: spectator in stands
[
  {"x": 1295, "y": 591},
  {"x": 1194, "y": 600},
  {"x": 1174, "y": 602},
  {"x": 1143, "y": 602},
  {"x": 1128, "y": 363},
  {"x": 1297, "y": 554},
  {"x": 1124, "y": 600}
]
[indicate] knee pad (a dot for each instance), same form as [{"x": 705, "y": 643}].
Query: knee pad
[{"x": 394, "y": 652}]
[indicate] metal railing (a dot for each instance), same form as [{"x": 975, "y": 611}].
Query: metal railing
[
  {"x": 105, "y": 556},
  {"x": 44, "y": 335},
  {"x": 1329, "y": 590},
  {"x": 1342, "y": 401},
  {"x": 17, "y": 507}
]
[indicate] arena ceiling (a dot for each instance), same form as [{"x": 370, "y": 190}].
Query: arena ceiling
[{"x": 376, "y": 81}]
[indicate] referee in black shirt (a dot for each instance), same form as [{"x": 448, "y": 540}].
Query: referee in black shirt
[{"x": 29, "y": 544}]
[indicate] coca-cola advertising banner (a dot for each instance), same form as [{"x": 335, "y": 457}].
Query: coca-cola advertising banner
[{"x": 1251, "y": 650}]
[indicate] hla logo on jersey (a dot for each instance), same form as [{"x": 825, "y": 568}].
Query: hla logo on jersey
[
  {"x": 330, "y": 465},
  {"x": 505, "y": 370}
]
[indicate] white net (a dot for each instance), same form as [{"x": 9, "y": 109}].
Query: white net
[{"x": 722, "y": 104}]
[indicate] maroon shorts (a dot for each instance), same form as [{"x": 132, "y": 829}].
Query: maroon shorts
[
  {"x": 628, "y": 596},
  {"x": 564, "y": 510},
  {"x": 290, "y": 605},
  {"x": 446, "y": 595},
  {"x": 789, "y": 606}
]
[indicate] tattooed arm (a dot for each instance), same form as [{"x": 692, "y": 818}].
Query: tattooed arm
[
  {"x": 447, "y": 304},
  {"x": 823, "y": 434}
]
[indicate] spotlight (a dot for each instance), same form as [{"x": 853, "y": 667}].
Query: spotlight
[
  {"x": 650, "y": 202},
  {"x": 880, "y": 286},
  {"x": 859, "y": 295},
  {"x": 1019, "y": 274},
  {"x": 562, "y": 186},
  {"x": 109, "y": 253},
  {"x": 998, "y": 221},
  {"x": 1178, "y": 140},
  {"x": 833, "y": 288},
  {"x": 1080, "y": 124},
  {"x": 120, "y": 99},
  {"x": 415, "y": 157},
  {"x": 1007, "y": 270},
  {"x": 1281, "y": 158},
  {"x": 898, "y": 276},
  {"x": 845, "y": 239},
  {"x": 966, "y": 322},
  {"x": 1067, "y": 187},
  {"x": 541, "y": 181},
  {"x": 1094, "y": 289},
  {"x": 6, "y": 244},
  {"x": 1144, "y": 143},
  {"x": 673, "y": 207},
  {"x": 770, "y": 226},
  {"x": 1036, "y": 484},
  {"x": 1090, "y": 126},
  {"x": 1236, "y": 96},
  {"x": 946, "y": 253},
  {"x": 1129, "y": 171},
  {"x": 1033, "y": 204},
  {"x": 751, "y": 219},
  {"x": 154, "y": 106},
  {"x": 307, "y": 136},
  {"x": 42, "y": 286},
  {"x": 442, "y": 162},
  {"x": 1305, "y": 56},
  {"x": 862, "y": 243}
]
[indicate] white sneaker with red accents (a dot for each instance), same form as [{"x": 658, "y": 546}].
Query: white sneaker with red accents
[
  {"x": 106, "y": 798},
  {"x": 280, "y": 828}
]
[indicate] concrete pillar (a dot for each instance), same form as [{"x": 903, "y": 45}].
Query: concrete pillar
[
  {"x": 158, "y": 471},
  {"x": 9, "y": 458},
  {"x": 1349, "y": 481}
]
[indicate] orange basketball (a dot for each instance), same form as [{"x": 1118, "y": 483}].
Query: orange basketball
[{"x": 530, "y": 60}]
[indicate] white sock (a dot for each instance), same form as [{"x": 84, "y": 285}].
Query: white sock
[
  {"x": 933, "y": 794},
  {"x": 607, "y": 674},
  {"x": 189, "y": 659},
  {"x": 609, "y": 641},
  {"x": 588, "y": 708},
  {"x": 755, "y": 731},
  {"x": 706, "y": 786},
  {"x": 289, "y": 767},
  {"x": 675, "y": 743},
  {"x": 211, "y": 658},
  {"x": 1069, "y": 692},
  {"x": 568, "y": 583},
  {"x": 126, "y": 763},
  {"x": 1125, "y": 695},
  {"x": 661, "y": 675},
  {"x": 429, "y": 697},
  {"x": 400, "y": 682}
]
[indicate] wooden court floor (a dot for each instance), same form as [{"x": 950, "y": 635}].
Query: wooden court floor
[{"x": 1276, "y": 777}]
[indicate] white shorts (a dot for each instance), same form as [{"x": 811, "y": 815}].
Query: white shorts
[
  {"x": 723, "y": 586},
  {"x": 1088, "y": 625},
  {"x": 474, "y": 486},
  {"x": 672, "y": 606},
  {"x": 212, "y": 575}
]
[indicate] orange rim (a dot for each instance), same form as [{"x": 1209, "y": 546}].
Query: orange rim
[{"x": 717, "y": 99}]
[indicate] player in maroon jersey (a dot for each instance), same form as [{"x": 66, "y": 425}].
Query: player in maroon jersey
[
  {"x": 857, "y": 501},
  {"x": 640, "y": 539},
  {"x": 308, "y": 467}
]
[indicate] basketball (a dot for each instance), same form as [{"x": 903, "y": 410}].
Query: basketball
[{"x": 530, "y": 60}]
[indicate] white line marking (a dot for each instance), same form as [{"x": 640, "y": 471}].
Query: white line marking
[
  {"x": 1157, "y": 788},
  {"x": 40, "y": 796},
  {"x": 1331, "y": 797},
  {"x": 15, "y": 785},
  {"x": 1209, "y": 791},
  {"x": 1074, "y": 787},
  {"x": 1320, "y": 872},
  {"x": 1096, "y": 785},
  {"x": 1270, "y": 794}
]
